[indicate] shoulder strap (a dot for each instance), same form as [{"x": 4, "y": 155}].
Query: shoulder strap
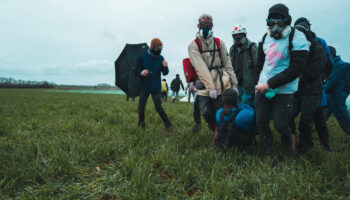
[
  {"x": 199, "y": 44},
  {"x": 263, "y": 39},
  {"x": 217, "y": 41},
  {"x": 250, "y": 49},
  {"x": 291, "y": 36},
  {"x": 232, "y": 119}
]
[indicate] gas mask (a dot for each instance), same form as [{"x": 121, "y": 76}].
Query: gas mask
[
  {"x": 278, "y": 27},
  {"x": 240, "y": 39},
  {"x": 205, "y": 29},
  {"x": 156, "y": 51},
  {"x": 276, "y": 31},
  {"x": 205, "y": 32}
]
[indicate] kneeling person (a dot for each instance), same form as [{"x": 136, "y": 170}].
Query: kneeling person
[{"x": 235, "y": 122}]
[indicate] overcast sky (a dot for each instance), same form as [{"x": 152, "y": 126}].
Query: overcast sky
[{"x": 77, "y": 41}]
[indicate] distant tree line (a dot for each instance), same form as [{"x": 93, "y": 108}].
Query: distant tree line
[{"x": 13, "y": 83}]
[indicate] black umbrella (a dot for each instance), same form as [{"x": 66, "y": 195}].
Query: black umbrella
[{"x": 125, "y": 67}]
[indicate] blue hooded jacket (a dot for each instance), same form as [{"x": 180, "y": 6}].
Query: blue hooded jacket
[
  {"x": 245, "y": 119},
  {"x": 339, "y": 78},
  {"x": 152, "y": 82}
]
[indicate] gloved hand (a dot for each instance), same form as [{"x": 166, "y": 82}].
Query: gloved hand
[
  {"x": 262, "y": 88},
  {"x": 213, "y": 94},
  {"x": 236, "y": 89}
]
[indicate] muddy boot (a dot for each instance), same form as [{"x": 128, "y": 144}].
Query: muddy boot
[
  {"x": 142, "y": 125},
  {"x": 196, "y": 128},
  {"x": 169, "y": 128},
  {"x": 274, "y": 158},
  {"x": 212, "y": 126}
]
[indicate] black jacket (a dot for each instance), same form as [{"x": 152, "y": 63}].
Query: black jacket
[
  {"x": 175, "y": 85},
  {"x": 310, "y": 82}
]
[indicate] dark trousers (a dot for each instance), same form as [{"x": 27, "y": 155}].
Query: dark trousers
[
  {"x": 208, "y": 108},
  {"x": 321, "y": 127},
  {"x": 156, "y": 97},
  {"x": 196, "y": 111},
  {"x": 280, "y": 107},
  {"x": 307, "y": 106},
  {"x": 337, "y": 104},
  {"x": 164, "y": 96}
]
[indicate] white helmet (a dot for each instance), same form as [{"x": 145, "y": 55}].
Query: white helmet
[{"x": 239, "y": 29}]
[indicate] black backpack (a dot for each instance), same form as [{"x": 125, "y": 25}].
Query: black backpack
[{"x": 229, "y": 135}]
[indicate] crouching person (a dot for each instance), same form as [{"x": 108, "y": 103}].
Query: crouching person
[
  {"x": 236, "y": 125},
  {"x": 150, "y": 65}
]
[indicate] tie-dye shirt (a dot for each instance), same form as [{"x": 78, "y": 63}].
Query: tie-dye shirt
[{"x": 277, "y": 59}]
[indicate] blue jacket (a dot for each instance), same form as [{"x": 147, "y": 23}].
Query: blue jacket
[
  {"x": 325, "y": 47},
  {"x": 340, "y": 77},
  {"x": 245, "y": 120},
  {"x": 152, "y": 82}
]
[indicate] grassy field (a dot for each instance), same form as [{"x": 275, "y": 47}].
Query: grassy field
[{"x": 88, "y": 146}]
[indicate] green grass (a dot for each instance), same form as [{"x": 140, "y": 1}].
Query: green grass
[{"x": 88, "y": 146}]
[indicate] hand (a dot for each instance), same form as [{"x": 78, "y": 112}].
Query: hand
[
  {"x": 213, "y": 94},
  {"x": 165, "y": 63},
  {"x": 144, "y": 72},
  {"x": 262, "y": 88}
]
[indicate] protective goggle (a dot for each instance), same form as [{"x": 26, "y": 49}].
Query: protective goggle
[
  {"x": 280, "y": 22},
  {"x": 158, "y": 48},
  {"x": 206, "y": 24},
  {"x": 238, "y": 36}
]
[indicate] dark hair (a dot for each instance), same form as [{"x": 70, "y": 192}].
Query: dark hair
[{"x": 164, "y": 80}]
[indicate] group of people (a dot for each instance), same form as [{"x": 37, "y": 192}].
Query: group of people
[
  {"x": 290, "y": 71},
  {"x": 175, "y": 86}
]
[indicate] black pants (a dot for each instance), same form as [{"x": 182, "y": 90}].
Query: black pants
[
  {"x": 164, "y": 96},
  {"x": 307, "y": 106},
  {"x": 156, "y": 97},
  {"x": 208, "y": 108},
  {"x": 280, "y": 107},
  {"x": 196, "y": 111},
  {"x": 321, "y": 127}
]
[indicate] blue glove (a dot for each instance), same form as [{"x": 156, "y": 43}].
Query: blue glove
[{"x": 270, "y": 93}]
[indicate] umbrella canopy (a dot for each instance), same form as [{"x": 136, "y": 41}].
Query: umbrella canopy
[{"x": 125, "y": 67}]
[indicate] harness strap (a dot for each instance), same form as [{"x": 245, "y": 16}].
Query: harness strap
[{"x": 232, "y": 120}]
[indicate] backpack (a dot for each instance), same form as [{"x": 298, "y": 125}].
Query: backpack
[
  {"x": 163, "y": 87},
  {"x": 229, "y": 135},
  {"x": 249, "y": 49},
  {"x": 190, "y": 72}
]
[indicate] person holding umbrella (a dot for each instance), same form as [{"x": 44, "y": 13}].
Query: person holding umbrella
[{"x": 149, "y": 67}]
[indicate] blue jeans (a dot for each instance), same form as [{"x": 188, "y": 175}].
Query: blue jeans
[{"x": 176, "y": 94}]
